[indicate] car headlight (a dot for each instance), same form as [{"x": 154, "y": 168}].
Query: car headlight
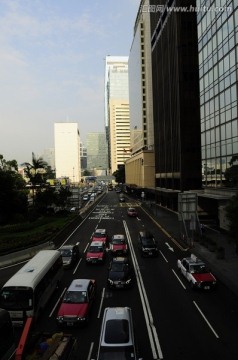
[
  {"x": 60, "y": 318},
  {"x": 110, "y": 281},
  {"x": 128, "y": 281},
  {"x": 81, "y": 318}
]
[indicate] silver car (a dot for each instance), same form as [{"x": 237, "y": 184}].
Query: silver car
[{"x": 117, "y": 340}]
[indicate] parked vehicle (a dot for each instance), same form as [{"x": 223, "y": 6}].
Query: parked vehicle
[
  {"x": 196, "y": 272},
  {"x": 76, "y": 305},
  {"x": 147, "y": 244},
  {"x": 26, "y": 293},
  {"x": 70, "y": 254}
]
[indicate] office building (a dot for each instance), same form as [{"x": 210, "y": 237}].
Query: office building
[
  {"x": 176, "y": 107},
  {"x": 117, "y": 117},
  {"x": 67, "y": 151},
  {"x": 49, "y": 156},
  {"x": 218, "y": 64},
  {"x": 97, "y": 155},
  {"x": 139, "y": 169},
  {"x": 83, "y": 157}
]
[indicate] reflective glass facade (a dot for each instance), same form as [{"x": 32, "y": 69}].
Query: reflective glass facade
[{"x": 217, "y": 45}]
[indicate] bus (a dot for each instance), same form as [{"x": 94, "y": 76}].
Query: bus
[
  {"x": 7, "y": 342},
  {"x": 26, "y": 293}
]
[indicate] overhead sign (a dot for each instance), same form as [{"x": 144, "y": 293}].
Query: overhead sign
[{"x": 187, "y": 205}]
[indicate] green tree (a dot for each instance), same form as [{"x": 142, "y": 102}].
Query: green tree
[
  {"x": 36, "y": 172},
  {"x": 13, "y": 197},
  {"x": 120, "y": 175}
]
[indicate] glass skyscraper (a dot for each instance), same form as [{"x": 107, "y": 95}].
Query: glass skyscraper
[{"x": 217, "y": 46}]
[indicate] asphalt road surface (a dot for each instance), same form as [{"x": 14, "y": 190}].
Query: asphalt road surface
[{"x": 171, "y": 321}]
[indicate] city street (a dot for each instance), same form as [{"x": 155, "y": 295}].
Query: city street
[{"x": 171, "y": 321}]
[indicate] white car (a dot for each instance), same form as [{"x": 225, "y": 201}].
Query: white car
[
  {"x": 85, "y": 197},
  {"x": 117, "y": 340}
]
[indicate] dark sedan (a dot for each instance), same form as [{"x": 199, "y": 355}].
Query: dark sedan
[
  {"x": 132, "y": 212},
  {"x": 119, "y": 274}
]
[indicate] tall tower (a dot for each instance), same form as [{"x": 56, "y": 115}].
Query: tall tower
[
  {"x": 117, "y": 118},
  {"x": 67, "y": 151},
  {"x": 175, "y": 79}
]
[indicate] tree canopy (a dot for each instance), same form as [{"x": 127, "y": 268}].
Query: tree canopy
[{"x": 13, "y": 197}]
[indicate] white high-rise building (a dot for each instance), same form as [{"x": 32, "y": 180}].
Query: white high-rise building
[
  {"x": 117, "y": 116},
  {"x": 67, "y": 151}
]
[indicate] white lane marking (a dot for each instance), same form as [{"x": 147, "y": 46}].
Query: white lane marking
[
  {"x": 90, "y": 351},
  {"x": 76, "y": 268},
  {"x": 179, "y": 280},
  {"x": 57, "y": 302},
  {"x": 152, "y": 333},
  {"x": 204, "y": 317},
  {"x": 85, "y": 249},
  {"x": 100, "y": 307},
  {"x": 163, "y": 256}
]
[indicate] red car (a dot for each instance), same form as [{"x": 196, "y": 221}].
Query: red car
[
  {"x": 118, "y": 245},
  {"x": 132, "y": 212},
  {"x": 96, "y": 253},
  {"x": 101, "y": 235},
  {"x": 77, "y": 301}
]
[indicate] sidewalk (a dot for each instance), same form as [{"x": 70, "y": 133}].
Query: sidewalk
[{"x": 224, "y": 269}]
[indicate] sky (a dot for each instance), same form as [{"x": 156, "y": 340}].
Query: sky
[{"x": 52, "y": 67}]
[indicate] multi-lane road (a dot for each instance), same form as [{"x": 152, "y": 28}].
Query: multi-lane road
[{"x": 171, "y": 321}]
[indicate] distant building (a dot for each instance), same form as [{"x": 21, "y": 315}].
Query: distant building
[
  {"x": 83, "y": 157},
  {"x": 49, "y": 156},
  {"x": 97, "y": 155},
  {"x": 117, "y": 115},
  {"x": 67, "y": 151}
]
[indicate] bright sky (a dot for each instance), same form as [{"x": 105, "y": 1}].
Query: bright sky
[{"x": 52, "y": 63}]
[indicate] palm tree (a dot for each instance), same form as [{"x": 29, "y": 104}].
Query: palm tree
[{"x": 35, "y": 171}]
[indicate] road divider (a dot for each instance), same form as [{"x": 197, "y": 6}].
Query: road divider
[{"x": 152, "y": 332}]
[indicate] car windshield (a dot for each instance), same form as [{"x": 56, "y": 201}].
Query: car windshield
[
  {"x": 95, "y": 249},
  {"x": 198, "y": 269},
  {"x": 99, "y": 235},
  {"x": 118, "y": 241},
  {"x": 75, "y": 297},
  {"x": 117, "y": 267},
  {"x": 16, "y": 298},
  {"x": 132, "y": 210},
  {"x": 66, "y": 252},
  {"x": 148, "y": 241}
]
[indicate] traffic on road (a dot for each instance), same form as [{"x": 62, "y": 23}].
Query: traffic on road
[{"x": 138, "y": 301}]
